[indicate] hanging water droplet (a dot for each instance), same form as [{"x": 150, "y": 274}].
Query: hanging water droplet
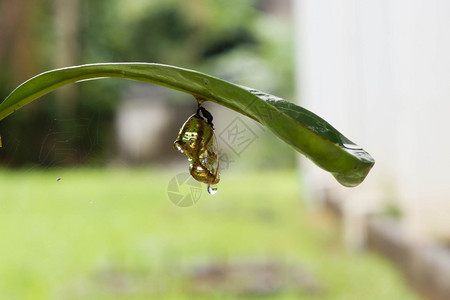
[{"x": 212, "y": 189}]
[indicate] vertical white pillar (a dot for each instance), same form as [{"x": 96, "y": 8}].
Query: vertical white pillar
[{"x": 379, "y": 71}]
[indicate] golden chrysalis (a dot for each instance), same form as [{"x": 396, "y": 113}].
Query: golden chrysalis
[{"x": 196, "y": 139}]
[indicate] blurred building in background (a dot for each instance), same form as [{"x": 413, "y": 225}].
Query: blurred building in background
[{"x": 379, "y": 71}]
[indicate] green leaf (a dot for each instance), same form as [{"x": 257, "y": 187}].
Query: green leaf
[{"x": 303, "y": 130}]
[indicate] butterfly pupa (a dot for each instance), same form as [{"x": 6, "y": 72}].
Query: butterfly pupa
[{"x": 196, "y": 139}]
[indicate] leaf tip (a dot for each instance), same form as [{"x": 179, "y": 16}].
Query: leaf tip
[{"x": 356, "y": 176}]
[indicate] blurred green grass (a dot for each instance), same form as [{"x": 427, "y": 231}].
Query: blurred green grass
[{"x": 114, "y": 234}]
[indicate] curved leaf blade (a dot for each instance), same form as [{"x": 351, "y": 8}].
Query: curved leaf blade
[{"x": 303, "y": 130}]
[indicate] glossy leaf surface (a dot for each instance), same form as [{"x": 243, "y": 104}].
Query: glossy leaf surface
[{"x": 300, "y": 128}]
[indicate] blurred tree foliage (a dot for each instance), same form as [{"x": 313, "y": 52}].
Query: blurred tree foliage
[{"x": 233, "y": 39}]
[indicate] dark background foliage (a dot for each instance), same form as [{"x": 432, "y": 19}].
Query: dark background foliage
[{"x": 210, "y": 36}]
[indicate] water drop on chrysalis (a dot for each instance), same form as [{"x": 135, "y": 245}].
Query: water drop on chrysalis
[{"x": 212, "y": 189}]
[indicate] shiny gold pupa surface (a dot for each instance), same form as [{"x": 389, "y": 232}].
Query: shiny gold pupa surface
[{"x": 196, "y": 139}]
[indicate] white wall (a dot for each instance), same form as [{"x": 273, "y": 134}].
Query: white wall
[{"x": 379, "y": 71}]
